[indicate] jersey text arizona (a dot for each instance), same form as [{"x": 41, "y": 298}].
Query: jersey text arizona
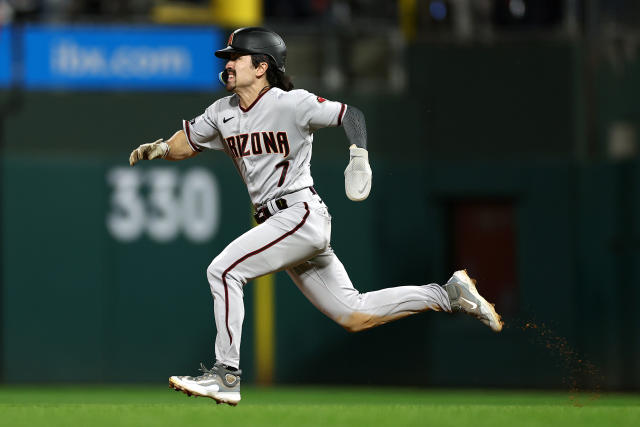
[{"x": 247, "y": 144}]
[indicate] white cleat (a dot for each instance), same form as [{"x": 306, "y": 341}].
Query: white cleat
[
  {"x": 464, "y": 297},
  {"x": 218, "y": 383}
]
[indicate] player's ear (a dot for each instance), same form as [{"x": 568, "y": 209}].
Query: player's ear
[{"x": 261, "y": 69}]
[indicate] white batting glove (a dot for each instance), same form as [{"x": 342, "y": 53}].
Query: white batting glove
[
  {"x": 154, "y": 150},
  {"x": 357, "y": 175}
]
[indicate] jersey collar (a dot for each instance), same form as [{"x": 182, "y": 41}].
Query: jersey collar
[{"x": 244, "y": 110}]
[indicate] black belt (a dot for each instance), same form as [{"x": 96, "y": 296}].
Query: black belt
[{"x": 263, "y": 213}]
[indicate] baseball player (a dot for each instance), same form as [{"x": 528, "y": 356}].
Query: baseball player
[{"x": 266, "y": 128}]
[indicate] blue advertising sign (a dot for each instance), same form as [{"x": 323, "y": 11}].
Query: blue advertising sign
[
  {"x": 118, "y": 57},
  {"x": 5, "y": 56}
]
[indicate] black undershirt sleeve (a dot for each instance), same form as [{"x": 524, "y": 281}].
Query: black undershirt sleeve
[{"x": 355, "y": 127}]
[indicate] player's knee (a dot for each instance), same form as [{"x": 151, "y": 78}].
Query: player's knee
[
  {"x": 355, "y": 321},
  {"x": 321, "y": 242},
  {"x": 216, "y": 275},
  {"x": 234, "y": 278},
  {"x": 353, "y": 328},
  {"x": 214, "y": 271},
  {"x": 213, "y": 277},
  {"x": 219, "y": 272}
]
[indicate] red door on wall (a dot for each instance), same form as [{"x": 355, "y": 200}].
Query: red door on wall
[{"x": 483, "y": 240}]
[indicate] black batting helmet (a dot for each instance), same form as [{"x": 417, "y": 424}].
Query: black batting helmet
[{"x": 250, "y": 40}]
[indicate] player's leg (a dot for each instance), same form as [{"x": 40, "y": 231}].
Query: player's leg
[
  {"x": 286, "y": 239},
  {"x": 325, "y": 282}
]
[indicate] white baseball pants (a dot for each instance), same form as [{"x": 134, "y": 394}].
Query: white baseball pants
[{"x": 297, "y": 239}]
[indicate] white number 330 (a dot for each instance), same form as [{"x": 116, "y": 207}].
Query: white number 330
[{"x": 172, "y": 203}]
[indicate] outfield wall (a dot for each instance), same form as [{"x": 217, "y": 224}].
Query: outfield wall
[{"x": 104, "y": 269}]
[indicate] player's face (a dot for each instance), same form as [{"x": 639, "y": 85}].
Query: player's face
[{"x": 240, "y": 70}]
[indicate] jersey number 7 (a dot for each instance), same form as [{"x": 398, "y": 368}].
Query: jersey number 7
[{"x": 285, "y": 166}]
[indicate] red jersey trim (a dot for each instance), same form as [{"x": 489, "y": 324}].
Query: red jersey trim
[
  {"x": 341, "y": 114},
  {"x": 254, "y": 102},
  {"x": 187, "y": 131}
]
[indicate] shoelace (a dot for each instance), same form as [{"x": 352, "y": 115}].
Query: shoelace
[{"x": 206, "y": 372}]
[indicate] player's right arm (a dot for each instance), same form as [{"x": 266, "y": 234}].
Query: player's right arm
[
  {"x": 179, "y": 148},
  {"x": 176, "y": 148},
  {"x": 195, "y": 135}
]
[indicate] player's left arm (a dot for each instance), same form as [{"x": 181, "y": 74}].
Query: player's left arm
[
  {"x": 357, "y": 175},
  {"x": 314, "y": 112}
]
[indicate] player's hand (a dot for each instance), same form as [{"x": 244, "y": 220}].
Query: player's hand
[
  {"x": 357, "y": 175},
  {"x": 154, "y": 150}
]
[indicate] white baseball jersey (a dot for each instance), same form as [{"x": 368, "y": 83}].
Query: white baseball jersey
[{"x": 270, "y": 141}]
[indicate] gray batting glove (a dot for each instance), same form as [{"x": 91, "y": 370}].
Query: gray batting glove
[
  {"x": 154, "y": 150},
  {"x": 357, "y": 175}
]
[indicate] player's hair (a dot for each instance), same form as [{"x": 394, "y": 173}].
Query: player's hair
[{"x": 275, "y": 77}]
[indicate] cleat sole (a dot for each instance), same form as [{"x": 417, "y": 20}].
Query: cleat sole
[{"x": 219, "y": 398}]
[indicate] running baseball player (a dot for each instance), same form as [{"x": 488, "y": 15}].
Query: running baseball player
[{"x": 267, "y": 127}]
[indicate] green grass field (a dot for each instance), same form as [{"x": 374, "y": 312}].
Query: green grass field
[{"x": 307, "y": 406}]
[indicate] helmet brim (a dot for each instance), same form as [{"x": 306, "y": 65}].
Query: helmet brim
[{"x": 228, "y": 51}]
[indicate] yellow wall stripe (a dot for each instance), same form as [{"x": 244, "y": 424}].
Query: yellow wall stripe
[
  {"x": 264, "y": 297},
  {"x": 264, "y": 327},
  {"x": 407, "y": 15}
]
